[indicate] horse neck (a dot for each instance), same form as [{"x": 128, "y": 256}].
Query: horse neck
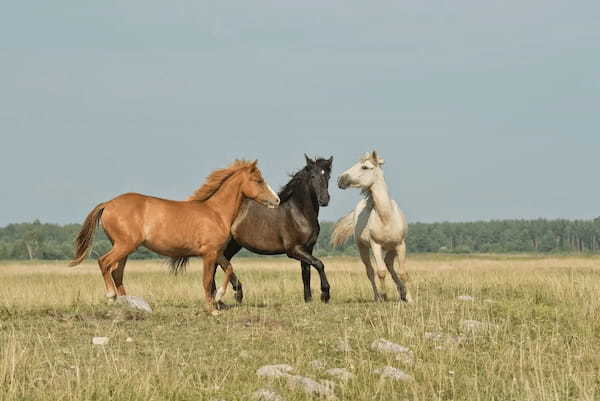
[
  {"x": 228, "y": 199},
  {"x": 308, "y": 203},
  {"x": 382, "y": 203}
]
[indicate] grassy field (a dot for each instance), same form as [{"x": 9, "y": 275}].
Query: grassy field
[{"x": 543, "y": 342}]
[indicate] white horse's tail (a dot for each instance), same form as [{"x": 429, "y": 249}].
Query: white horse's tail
[{"x": 342, "y": 230}]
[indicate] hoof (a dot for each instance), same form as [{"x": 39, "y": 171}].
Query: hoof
[
  {"x": 239, "y": 296},
  {"x": 215, "y": 313},
  {"x": 220, "y": 305},
  {"x": 325, "y": 297},
  {"x": 381, "y": 298}
]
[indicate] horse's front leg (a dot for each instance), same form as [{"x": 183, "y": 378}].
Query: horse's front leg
[
  {"x": 301, "y": 254},
  {"x": 208, "y": 276}
]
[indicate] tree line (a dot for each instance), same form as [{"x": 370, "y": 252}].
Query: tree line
[{"x": 38, "y": 240}]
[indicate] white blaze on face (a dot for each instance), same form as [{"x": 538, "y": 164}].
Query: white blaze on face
[{"x": 274, "y": 194}]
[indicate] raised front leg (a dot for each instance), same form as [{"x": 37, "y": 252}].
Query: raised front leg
[
  {"x": 232, "y": 248},
  {"x": 306, "y": 281},
  {"x": 222, "y": 260},
  {"x": 301, "y": 254}
]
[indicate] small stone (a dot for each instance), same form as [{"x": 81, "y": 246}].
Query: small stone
[
  {"x": 129, "y": 339},
  {"x": 274, "y": 370},
  {"x": 386, "y": 346},
  {"x": 340, "y": 373},
  {"x": 475, "y": 326},
  {"x": 433, "y": 336},
  {"x": 317, "y": 364},
  {"x": 405, "y": 358},
  {"x": 446, "y": 338},
  {"x": 329, "y": 384},
  {"x": 310, "y": 386},
  {"x": 343, "y": 345},
  {"x": 389, "y": 372},
  {"x": 100, "y": 340},
  {"x": 465, "y": 298},
  {"x": 266, "y": 394},
  {"x": 135, "y": 302}
]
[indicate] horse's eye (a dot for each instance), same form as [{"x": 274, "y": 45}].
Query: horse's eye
[{"x": 365, "y": 167}]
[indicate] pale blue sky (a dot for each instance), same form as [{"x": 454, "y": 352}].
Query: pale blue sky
[{"x": 482, "y": 109}]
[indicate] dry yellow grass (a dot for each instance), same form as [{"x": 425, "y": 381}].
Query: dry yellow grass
[{"x": 543, "y": 345}]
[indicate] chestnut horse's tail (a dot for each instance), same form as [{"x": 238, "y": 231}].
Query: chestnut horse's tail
[
  {"x": 84, "y": 239},
  {"x": 343, "y": 230}
]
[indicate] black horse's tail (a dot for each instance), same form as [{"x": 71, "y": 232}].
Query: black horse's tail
[{"x": 178, "y": 265}]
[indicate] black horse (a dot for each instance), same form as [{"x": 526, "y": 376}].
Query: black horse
[{"x": 291, "y": 229}]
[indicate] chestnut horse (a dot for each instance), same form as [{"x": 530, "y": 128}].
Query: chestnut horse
[{"x": 199, "y": 226}]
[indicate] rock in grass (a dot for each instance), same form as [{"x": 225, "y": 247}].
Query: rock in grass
[
  {"x": 100, "y": 340},
  {"x": 312, "y": 387},
  {"x": 340, "y": 373},
  {"x": 385, "y": 346},
  {"x": 475, "y": 326},
  {"x": 135, "y": 302},
  {"x": 317, "y": 364},
  {"x": 266, "y": 394},
  {"x": 274, "y": 370},
  {"x": 390, "y": 372},
  {"x": 465, "y": 298},
  {"x": 445, "y": 338},
  {"x": 343, "y": 345}
]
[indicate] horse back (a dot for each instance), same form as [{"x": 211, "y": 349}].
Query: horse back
[{"x": 165, "y": 226}]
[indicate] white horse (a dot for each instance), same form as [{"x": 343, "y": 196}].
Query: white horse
[{"x": 378, "y": 225}]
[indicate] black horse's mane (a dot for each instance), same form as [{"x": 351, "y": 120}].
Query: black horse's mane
[{"x": 298, "y": 180}]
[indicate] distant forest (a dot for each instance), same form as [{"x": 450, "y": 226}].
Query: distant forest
[{"x": 51, "y": 241}]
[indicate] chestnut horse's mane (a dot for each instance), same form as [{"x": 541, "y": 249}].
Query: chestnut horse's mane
[{"x": 216, "y": 179}]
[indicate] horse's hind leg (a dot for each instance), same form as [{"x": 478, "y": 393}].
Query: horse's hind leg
[
  {"x": 401, "y": 257},
  {"x": 108, "y": 263},
  {"x": 117, "y": 275}
]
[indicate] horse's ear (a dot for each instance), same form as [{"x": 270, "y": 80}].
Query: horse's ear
[
  {"x": 329, "y": 162},
  {"x": 376, "y": 158},
  {"x": 253, "y": 165},
  {"x": 309, "y": 161}
]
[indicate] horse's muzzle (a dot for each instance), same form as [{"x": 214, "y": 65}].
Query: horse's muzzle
[{"x": 343, "y": 182}]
